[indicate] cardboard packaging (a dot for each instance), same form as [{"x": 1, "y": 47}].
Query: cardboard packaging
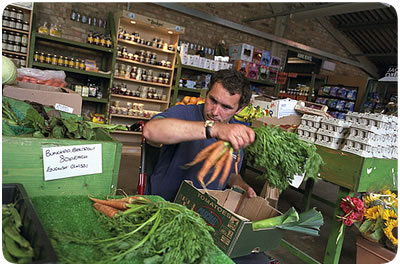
[
  {"x": 268, "y": 104},
  {"x": 266, "y": 58},
  {"x": 230, "y": 213},
  {"x": 275, "y": 62},
  {"x": 46, "y": 95},
  {"x": 241, "y": 66},
  {"x": 257, "y": 55},
  {"x": 241, "y": 51},
  {"x": 291, "y": 120},
  {"x": 263, "y": 73},
  {"x": 252, "y": 71}
]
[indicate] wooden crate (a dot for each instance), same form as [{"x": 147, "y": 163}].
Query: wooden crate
[
  {"x": 23, "y": 163},
  {"x": 361, "y": 174}
]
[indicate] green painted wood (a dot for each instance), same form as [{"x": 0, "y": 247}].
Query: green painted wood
[
  {"x": 72, "y": 70},
  {"x": 298, "y": 253},
  {"x": 357, "y": 173},
  {"x": 334, "y": 245},
  {"x": 23, "y": 163}
]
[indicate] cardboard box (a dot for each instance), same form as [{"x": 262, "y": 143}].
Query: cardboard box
[
  {"x": 268, "y": 104},
  {"x": 241, "y": 66},
  {"x": 257, "y": 55},
  {"x": 230, "y": 213},
  {"x": 275, "y": 62},
  {"x": 291, "y": 120},
  {"x": 241, "y": 51},
  {"x": 252, "y": 71},
  {"x": 266, "y": 58},
  {"x": 263, "y": 73},
  {"x": 46, "y": 95}
]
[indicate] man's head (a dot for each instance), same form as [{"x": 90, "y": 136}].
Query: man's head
[{"x": 228, "y": 92}]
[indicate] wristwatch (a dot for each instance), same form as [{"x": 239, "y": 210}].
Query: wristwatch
[{"x": 208, "y": 124}]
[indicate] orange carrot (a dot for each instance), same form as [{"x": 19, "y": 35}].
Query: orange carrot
[
  {"x": 209, "y": 162},
  {"x": 202, "y": 155},
  {"x": 237, "y": 162},
  {"x": 106, "y": 210},
  {"x": 120, "y": 205},
  {"x": 227, "y": 168},
  {"x": 218, "y": 166}
]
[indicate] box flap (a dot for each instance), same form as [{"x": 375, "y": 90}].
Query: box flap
[{"x": 256, "y": 209}]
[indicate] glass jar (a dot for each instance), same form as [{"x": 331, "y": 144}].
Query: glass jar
[
  {"x": 66, "y": 62},
  {"x": 20, "y": 14},
  {"x": 24, "y": 39},
  {"x": 18, "y": 24},
  {"x": 102, "y": 41},
  {"x": 36, "y": 56},
  {"x": 77, "y": 63},
  {"x": 82, "y": 64},
  {"x": 23, "y": 49},
  {"x": 4, "y": 35},
  {"x": 6, "y": 12},
  {"x": 108, "y": 42},
  {"x": 22, "y": 60},
  {"x": 60, "y": 61},
  {"x": 25, "y": 26},
  {"x": 48, "y": 59},
  {"x": 18, "y": 38},
  {"x": 54, "y": 60},
  {"x": 97, "y": 39},
  {"x": 43, "y": 29},
  {"x": 11, "y": 36},
  {"x": 71, "y": 62},
  {"x": 13, "y": 13},
  {"x": 12, "y": 23},
  {"x": 42, "y": 58},
  {"x": 6, "y": 22},
  {"x": 17, "y": 47}
]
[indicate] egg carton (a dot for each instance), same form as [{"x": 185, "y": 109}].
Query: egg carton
[
  {"x": 372, "y": 138},
  {"x": 339, "y": 127},
  {"x": 329, "y": 141},
  {"x": 340, "y": 134},
  {"x": 358, "y": 148},
  {"x": 311, "y": 120},
  {"x": 373, "y": 122},
  {"x": 306, "y": 133}
]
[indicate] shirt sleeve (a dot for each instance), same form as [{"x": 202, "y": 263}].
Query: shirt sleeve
[{"x": 185, "y": 112}]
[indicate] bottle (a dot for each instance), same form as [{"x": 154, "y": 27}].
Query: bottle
[
  {"x": 66, "y": 61},
  {"x": 102, "y": 41},
  {"x": 108, "y": 41},
  {"x": 71, "y": 62},
  {"x": 82, "y": 64},
  {"x": 48, "y": 59},
  {"x": 90, "y": 38},
  {"x": 60, "y": 61},
  {"x": 77, "y": 63},
  {"x": 41, "y": 58},
  {"x": 54, "y": 60},
  {"x": 97, "y": 39}
]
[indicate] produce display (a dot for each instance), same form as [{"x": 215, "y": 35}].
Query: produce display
[
  {"x": 23, "y": 118},
  {"x": 158, "y": 231},
  {"x": 282, "y": 155},
  {"x": 191, "y": 100},
  {"x": 16, "y": 249}
]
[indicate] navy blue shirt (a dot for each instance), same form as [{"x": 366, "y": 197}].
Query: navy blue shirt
[{"x": 168, "y": 174}]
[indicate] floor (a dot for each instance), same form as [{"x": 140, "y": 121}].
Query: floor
[{"x": 313, "y": 246}]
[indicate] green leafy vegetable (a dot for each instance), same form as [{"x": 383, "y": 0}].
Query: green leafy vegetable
[
  {"x": 282, "y": 155},
  {"x": 308, "y": 222}
]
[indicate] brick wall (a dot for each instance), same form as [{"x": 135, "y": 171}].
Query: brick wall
[{"x": 307, "y": 32}]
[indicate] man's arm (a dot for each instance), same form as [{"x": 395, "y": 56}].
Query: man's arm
[
  {"x": 237, "y": 181},
  {"x": 172, "y": 131}
]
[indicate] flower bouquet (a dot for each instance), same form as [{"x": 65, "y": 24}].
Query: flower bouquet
[{"x": 375, "y": 216}]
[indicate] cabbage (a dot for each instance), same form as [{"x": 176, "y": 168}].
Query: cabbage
[{"x": 9, "y": 71}]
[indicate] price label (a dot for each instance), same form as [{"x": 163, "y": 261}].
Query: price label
[{"x": 67, "y": 161}]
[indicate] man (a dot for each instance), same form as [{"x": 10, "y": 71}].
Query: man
[{"x": 186, "y": 129}]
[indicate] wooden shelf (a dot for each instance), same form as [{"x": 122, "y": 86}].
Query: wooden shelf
[
  {"x": 145, "y": 46},
  {"x": 74, "y": 43},
  {"x": 93, "y": 99},
  {"x": 143, "y": 64},
  {"x": 16, "y": 30},
  {"x": 187, "y": 89},
  {"x": 205, "y": 70},
  {"x": 14, "y": 53},
  {"x": 72, "y": 70},
  {"x": 130, "y": 116},
  {"x": 143, "y": 82},
  {"x": 138, "y": 98}
]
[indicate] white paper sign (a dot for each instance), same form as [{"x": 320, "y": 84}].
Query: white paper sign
[
  {"x": 67, "y": 161},
  {"x": 297, "y": 180}
]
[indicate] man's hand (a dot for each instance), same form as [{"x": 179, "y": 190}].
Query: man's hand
[
  {"x": 240, "y": 136},
  {"x": 251, "y": 193}
]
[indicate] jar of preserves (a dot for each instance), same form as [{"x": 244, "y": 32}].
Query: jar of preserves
[
  {"x": 18, "y": 38},
  {"x": 71, "y": 62},
  {"x": 25, "y": 26},
  {"x": 66, "y": 61},
  {"x": 4, "y": 35},
  {"x": 6, "y": 22},
  {"x": 18, "y": 24},
  {"x": 22, "y": 61},
  {"x": 13, "y": 13},
  {"x": 6, "y": 12},
  {"x": 82, "y": 64},
  {"x": 36, "y": 56},
  {"x": 17, "y": 47},
  {"x": 127, "y": 37},
  {"x": 20, "y": 14},
  {"x": 43, "y": 29},
  {"x": 77, "y": 63},
  {"x": 24, "y": 39},
  {"x": 48, "y": 59},
  {"x": 54, "y": 60},
  {"x": 90, "y": 38},
  {"x": 23, "y": 49},
  {"x": 108, "y": 41},
  {"x": 42, "y": 58},
  {"x": 11, "y": 36},
  {"x": 60, "y": 61},
  {"x": 97, "y": 39},
  {"x": 12, "y": 23}
]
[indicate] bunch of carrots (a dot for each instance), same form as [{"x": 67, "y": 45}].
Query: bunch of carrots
[
  {"x": 112, "y": 207},
  {"x": 217, "y": 155}
]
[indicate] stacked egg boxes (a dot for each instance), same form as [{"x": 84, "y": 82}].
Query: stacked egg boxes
[
  {"x": 372, "y": 135},
  {"x": 325, "y": 131}
]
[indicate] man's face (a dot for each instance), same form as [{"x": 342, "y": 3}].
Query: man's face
[{"x": 220, "y": 105}]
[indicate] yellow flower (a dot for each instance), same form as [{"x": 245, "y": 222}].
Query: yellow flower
[
  {"x": 370, "y": 198},
  {"x": 373, "y": 213},
  {"x": 390, "y": 225},
  {"x": 387, "y": 214}
]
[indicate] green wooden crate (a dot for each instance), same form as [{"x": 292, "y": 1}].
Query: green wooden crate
[
  {"x": 357, "y": 173},
  {"x": 23, "y": 163}
]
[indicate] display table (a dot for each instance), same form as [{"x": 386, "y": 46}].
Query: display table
[
  {"x": 75, "y": 214},
  {"x": 352, "y": 173}
]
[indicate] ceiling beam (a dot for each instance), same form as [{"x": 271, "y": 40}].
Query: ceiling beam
[
  {"x": 376, "y": 54},
  {"x": 368, "y": 26},
  {"x": 323, "y": 10}
]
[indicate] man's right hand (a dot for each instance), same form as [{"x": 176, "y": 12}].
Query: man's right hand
[{"x": 240, "y": 136}]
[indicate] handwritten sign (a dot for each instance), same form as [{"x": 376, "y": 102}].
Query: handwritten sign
[{"x": 67, "y": 161}]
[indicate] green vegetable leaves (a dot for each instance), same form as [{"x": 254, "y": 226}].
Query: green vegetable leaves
[
  {"x": 307, "y": 222},
  {"x": 282, "y": 155}
]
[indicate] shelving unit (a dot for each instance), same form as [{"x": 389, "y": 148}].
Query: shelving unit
[
  {"x": 311, "y": 80},
  {"x": 103, "y": 56},
  {"x": 332, "y": 101},
  {"x": 135, "y": 73},
  {"x": 15, "y": 38}
]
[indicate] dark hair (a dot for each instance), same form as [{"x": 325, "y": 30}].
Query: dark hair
[{"x": 234, "y": 82}]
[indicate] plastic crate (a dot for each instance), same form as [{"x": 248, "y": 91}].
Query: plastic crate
[{"x": 31, "y": 228}]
